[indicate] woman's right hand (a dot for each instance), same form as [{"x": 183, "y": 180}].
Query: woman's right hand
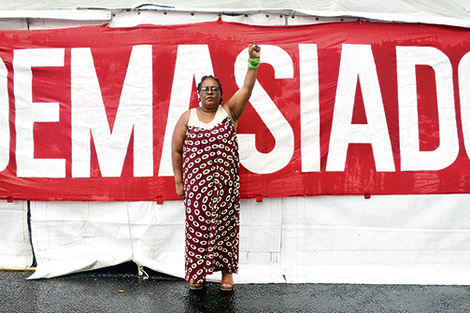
[{"x": 180, "y": 190}]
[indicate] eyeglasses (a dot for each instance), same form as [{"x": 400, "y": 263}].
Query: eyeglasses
[{"x": 205, "y": 89}]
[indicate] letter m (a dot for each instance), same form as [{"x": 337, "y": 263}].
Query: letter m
[{"x": 134, "y": 115}]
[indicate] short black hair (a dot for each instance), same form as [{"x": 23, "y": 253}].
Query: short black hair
[{"x": 216, "y": 79}]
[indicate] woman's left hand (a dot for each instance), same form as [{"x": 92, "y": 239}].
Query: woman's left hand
[{"x": 254, "y": 50}]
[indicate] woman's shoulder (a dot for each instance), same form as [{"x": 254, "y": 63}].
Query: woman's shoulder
[
  {"x": 188, "y": 113},
  {"x": 184, "y": 118}
]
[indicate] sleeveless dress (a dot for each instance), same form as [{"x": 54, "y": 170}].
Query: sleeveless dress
[{"x": 212, "y": 196}]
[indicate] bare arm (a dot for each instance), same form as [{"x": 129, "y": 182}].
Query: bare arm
[
  {"x": 177, "y": 152},
  {"x": 237, "y": 104}
]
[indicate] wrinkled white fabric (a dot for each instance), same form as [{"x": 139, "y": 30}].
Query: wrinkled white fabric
[
  {"x": 15, "y": 244},
  {"x": 326, "y": 239},
  {"x": 447, "y": 12},
  {"x": 329, "y": 239}
]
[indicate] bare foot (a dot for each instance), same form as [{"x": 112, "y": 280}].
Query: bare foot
[
  {"x": 198, "y": 286},
  {"x": 227, "y": 281}
]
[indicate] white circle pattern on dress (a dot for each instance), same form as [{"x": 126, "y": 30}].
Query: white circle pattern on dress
[{"x": 212, "y": 200}]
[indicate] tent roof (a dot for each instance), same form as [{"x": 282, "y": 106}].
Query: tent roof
[{"x": 447, "y": 12}]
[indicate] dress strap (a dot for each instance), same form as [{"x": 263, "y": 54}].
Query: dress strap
[{"x": 193, "y": 119}]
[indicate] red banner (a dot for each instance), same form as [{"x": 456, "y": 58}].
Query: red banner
[{"x": 350, "y": 108}]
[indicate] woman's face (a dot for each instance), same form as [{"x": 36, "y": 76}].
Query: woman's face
[{"x": 209, "y": 93}]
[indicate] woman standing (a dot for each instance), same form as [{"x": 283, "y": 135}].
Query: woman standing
[{"x": 205, "y": 164}]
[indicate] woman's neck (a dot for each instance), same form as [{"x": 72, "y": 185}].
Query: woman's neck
[{"x": 208, "y": 110}]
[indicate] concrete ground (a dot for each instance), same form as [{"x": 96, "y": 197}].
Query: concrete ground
[{"x": 120, "y": 289}]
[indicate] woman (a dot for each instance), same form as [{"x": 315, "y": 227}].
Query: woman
[{"x": 205, "y": 164}]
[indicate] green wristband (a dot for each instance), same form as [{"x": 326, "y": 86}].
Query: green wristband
[{"x": 253, "y": 63}]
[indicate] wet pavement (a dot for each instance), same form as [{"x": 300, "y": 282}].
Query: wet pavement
[{"x": 120, "y": 289}]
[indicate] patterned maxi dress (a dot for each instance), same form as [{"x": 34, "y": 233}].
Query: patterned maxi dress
[{"x": 212, "y": 201}]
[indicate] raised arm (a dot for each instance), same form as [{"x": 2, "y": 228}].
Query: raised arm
[
  {"x": 237, "y": 104},
  {"x": 177, "y": 152}
]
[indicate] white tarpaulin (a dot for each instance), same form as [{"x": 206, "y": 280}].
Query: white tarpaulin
[
  {"x": 15, "y": 244},
  {"x": 325, "y": 239},
  {"x": 446, "y": 12},
  {"x": 337, "y": 239}
]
